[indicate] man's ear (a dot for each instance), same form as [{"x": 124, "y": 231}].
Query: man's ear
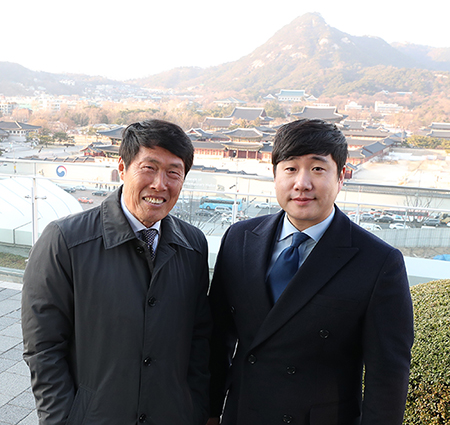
[
  {"x": 341, "y": 178},
  {"x": 121, "y": 167}
]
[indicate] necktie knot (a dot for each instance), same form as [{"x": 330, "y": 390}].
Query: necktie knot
[
  {"x": 285, "y": 266},
  {"x": 148, "y": 236},
  {"x": 298, "y": 238}
]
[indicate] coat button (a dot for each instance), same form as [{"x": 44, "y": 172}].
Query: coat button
[
  {"x": 140, "y": 250},
  {"x": 232, "y": 310},
  {"x": 324, "y": 333},
  {"x": 252, "y": 359},
  {"x": 142, "y": 418},
  {"x": 148, "y": 361},
  {"x": 291, "y": 370},
  {"x": 287, "y": 419},
  {"x": 152, "y": 302}
]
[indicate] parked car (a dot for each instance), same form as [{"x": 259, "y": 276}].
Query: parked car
[
  {"x": 222, "y": 209},
  {"x": 398, "y": 226},
  {"x": 100, "y": 193},
  {"x": 431, "y": 222},
  {"x": 204, "y": 212},
  {"x": 265, "y": 205},
  {"x": 366, "y": 217},
  {"x": 370, "y": 226},
  {"x": 85, "y": 200},
  {"x": 80, "y": 187},
  {"x": 69, "y": 189},
  {"x": 384, "y": 219}
]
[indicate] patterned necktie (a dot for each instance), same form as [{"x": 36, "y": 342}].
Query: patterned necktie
[
  {"x": 148, "y": 236},
  {"x": 285, "y": 266}
]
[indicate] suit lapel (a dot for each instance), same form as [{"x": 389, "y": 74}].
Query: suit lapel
[
  {"x": 256, "y": 251},
  {"x": 333, "y": 251}
]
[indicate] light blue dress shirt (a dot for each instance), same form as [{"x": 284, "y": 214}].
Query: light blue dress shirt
[
  {"x": 285, "y": 238},
  {"x": 137, "y": 226}
]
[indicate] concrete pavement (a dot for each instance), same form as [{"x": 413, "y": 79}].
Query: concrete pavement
[{"x": 16, "y": 399}]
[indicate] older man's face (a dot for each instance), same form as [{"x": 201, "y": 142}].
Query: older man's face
[{"x": 152, "y": 183}]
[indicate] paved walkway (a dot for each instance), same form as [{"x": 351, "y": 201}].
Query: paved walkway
[{"x": 16, "y": 399}]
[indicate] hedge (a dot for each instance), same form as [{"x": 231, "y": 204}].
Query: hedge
[{"x": 428, "y": 401}]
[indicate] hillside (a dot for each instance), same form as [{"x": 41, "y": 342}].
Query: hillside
[
  {"x": 16, "y": 80},
  {"x": 309, "y": 54},
  {"x": 306, "y": 54}
]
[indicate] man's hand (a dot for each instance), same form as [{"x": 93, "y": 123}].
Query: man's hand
[{"x": 213, "y": 421}]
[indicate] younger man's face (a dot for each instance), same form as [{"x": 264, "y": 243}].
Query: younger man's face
[{"x": 306, "y": 188}]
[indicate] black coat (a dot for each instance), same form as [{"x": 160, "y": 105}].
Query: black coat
[
  {"x": 107, "y": 340},
  {"x": 301, "y": 362}
]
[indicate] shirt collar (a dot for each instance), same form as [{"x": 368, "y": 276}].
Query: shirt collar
[
  {"x": 135, "y": 224},
  {"x": 314, "y": 232}
]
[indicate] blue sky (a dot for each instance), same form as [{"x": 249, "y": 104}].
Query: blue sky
[{"x": 138, "y": 38}]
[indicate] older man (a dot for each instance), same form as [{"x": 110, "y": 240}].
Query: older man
[{"x": 115, "y": 316}]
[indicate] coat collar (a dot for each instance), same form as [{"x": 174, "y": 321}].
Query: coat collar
[
  {"x": 331, "y": 253},
  {"x": 258, "y": 245},
  {"x": 117, "y": 229}
]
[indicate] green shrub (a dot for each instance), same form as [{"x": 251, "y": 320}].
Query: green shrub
[{"x": 428, "y": 400}]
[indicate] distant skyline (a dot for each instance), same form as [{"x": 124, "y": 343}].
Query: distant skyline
[{"x": 135, "y": 39}]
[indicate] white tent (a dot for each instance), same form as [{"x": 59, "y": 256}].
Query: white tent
[{"x": 16, "y": 207}]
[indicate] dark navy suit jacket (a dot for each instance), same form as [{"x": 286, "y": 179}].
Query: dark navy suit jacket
[{"x": 347, "y": 309}]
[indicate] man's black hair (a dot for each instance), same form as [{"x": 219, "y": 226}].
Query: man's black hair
[
  {"x": 304, "y": 137},
  {"x": 153, "y": 133}
]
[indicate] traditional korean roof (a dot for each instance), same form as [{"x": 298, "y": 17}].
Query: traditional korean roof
[
  {"x": 231, "y": 100},
  {"x": 265, "y": 129},
  {"x": 440, "y": 126},
  {"x": 217, "y": 122},
  {"x": 378, "y": 133},
  {"x": 115, "y": 133},
  {"x": 373, "y": 149},
  {"x": 291, "y": 93},
  {"x": 247, "y": 146},
  {"x": 440, "y": 134},
  {"x": 109, "y": 149},
  {"x": 207, "y": 145},
  {"x": 14, "y": 125},
  {"x": 326, "y": 113},
  {"x": 249, "y": 114},
  {"x": 353, "y": 125},
  {"x": 245, "y": 133},
  {"x": 199, "y": 133}
]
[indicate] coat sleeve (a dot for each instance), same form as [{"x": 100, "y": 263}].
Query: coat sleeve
[
  {"x": 387, "y": 341},
  {"x": 224, "y": 336},
  {"x": 47, "y": 325},
  {"x": 198, "y": 373}
]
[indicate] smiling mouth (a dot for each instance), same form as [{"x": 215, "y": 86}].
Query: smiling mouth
[{"x": 154, "y": 201}]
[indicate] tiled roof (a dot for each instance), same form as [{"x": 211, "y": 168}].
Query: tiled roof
[
  {"x": 248, "y": 146},
  {"x": 373, "y": 149},
  {"x": 440, "y": 134},
  {"x": 326, "y": 113},
  {"x": 249, "y": 114},
  {"x": 115, "y": 133},
  {"x": 440, "y": 126},
  {"x": 244, "y": 133},
  {"x": 207, "y": 145},
  {"x": 14, "y": 125},
  {"x": 217, "y": 122},
  {"x": 291, "y": 93}
]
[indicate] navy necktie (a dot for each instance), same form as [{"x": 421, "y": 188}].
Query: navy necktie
[
  {"x": 148, "y": 236},
  {"x": 285, "y": 266}
]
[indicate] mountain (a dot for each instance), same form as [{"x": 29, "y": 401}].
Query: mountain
[
  {"x": 306, "y": 54},
  {"x": 309, "y": 54},
  {"x": 429, "y": 57},
  {"x": 16, "y": 80}
]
